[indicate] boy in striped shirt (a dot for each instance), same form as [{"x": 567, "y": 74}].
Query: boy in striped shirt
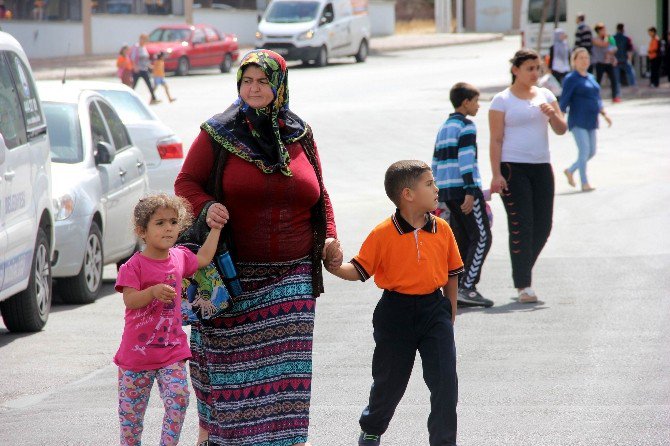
[{"x": 460, "y": 188}]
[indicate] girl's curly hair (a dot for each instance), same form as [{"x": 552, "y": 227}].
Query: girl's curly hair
[{"x": 148, "y": 205}]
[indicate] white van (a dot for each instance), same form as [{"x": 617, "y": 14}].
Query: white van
[
  {"x": 316, "y": 30},
  {"x": 26, "y": 215},
  {"x": 531, "y": 18}
]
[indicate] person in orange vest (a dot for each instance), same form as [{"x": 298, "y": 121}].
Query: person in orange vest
[{"x": 654, "y": 55}]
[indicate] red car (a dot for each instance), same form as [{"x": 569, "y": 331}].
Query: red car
[{"x": 193, "y": 46}]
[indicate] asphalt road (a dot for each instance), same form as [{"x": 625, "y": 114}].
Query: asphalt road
[{"x": 588, "y": 365}]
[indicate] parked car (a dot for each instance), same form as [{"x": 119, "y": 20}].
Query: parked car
[
  {"x": 315, "y": 30},
  {"x": 193, "y": 46},
  {"x": 26, "y": 210},
  {"x": 99, "y": 175},
  {"x": 162, "y": 148}
]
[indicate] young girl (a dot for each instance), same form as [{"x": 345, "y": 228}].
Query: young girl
[
  {"x": 124, "y": 66},
  {"x": 159, "y": 75},
  {"x": 154, "y": 346}
]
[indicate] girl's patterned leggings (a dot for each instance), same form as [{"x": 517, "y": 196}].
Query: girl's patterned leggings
[{"x": 134, "y": 391}]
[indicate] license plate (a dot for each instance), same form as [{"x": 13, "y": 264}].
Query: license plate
[{"x": 282, "y": 51}]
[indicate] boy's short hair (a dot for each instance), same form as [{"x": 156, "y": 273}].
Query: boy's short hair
[
  {"x": 462, "y": 91},
  {"x": 402, "y": 174}
]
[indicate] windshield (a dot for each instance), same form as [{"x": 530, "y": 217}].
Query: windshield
[
  {"x": 64, "y": 132},
  {"x": 292, "y": 12},
  {"x": 129, "y": 108},
  {"x": 535, "y": 11},
  {"x": 169, "y": 35}
]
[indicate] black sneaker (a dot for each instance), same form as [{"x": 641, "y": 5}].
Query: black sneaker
[
  {"x": 470, "y": 297},
  {"x": 369, "y": 440}
]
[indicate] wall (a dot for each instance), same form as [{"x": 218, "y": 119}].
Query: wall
[
  {"x": 241, "y": 22},
  {"x": 112, "y": 31},
  {"x": 47, "y": 39},
  {"x": 382, "y": 18},
  {"x": 493, "y": 16},
  {"x": 636, "y": 15}
]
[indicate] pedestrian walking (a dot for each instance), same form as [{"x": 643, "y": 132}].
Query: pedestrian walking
[
  {"x": 654, "y": 55},
  {"x": 139, "y": 55},
  {"x": 583, "y": 34},
  {"x": 604, "y": 59},
  {"x": 581, "y": 99},
  {"x": 624, "y": 55},
  {"x": 124, "y": 66},
  {"x": 414, "y": 259},
  {"x": 154, "y": 346},
  {"x": 560, "y": 54},
  {"x": 159, "y": 75},
  {"x": 457, "y": 176},
  {"x": 252, "y": 368},
  {"x": 520, "y": 164}
]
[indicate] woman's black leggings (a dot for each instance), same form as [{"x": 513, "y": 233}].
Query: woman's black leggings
[
  {"x": 529, "y": 202},
  {"x": 144, "y": 75}
]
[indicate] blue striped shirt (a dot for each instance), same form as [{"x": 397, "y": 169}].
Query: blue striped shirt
[{"x": 454, "y": 164}]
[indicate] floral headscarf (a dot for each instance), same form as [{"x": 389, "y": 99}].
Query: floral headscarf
[{"x": 260, "y": 135}]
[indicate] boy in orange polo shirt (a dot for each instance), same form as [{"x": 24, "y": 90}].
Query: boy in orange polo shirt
[{"x": 414, "y": 258}]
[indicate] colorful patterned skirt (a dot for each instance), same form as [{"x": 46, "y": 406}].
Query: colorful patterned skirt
[{"x": 252, "y": 370}]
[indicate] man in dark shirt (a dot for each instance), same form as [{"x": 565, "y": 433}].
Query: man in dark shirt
[
  {"x": 583, "y": 34},
  {"x": 623, "y": 55}
]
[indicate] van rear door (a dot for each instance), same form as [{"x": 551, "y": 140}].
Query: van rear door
[{"x": 16, "y": 103}]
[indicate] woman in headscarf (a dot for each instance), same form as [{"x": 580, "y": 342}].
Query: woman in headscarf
[
  {"x": 560, "y": 53},
  {"x": 254, "y": 169}
]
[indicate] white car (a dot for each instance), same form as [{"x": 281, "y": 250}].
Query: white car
[
  {"x": 99, "y": 175},
  {"x": 162, "y": 148},
  {"x": 26, "y": 211}
]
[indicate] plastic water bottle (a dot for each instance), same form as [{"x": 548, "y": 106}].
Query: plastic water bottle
[{"x": 225, "y": 264}]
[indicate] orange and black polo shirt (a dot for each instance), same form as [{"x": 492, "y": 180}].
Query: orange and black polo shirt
[{"x": 409, "y": 260}]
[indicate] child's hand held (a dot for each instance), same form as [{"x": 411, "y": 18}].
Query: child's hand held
[{"x": 164, "y": 293}]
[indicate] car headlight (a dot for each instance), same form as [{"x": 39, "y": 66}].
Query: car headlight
[
  {"x": 64, "y": 206},
  {"x": 259, "y": 35},
  {"x": 307, "y": 35}
]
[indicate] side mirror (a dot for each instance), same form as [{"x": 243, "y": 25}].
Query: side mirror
[
  {"x": 259, "y": 18},
  {"x": 104, "y": 153}
]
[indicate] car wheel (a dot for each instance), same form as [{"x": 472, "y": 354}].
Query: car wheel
[
  {"x": 29, "y": 309},
  {"x": 183, "y": 66},
  {"x": 84, "y": 288},
  {"x": 227, "y": 63},
  {"x": 322, "y": 58},
  {"x": 363, "y": 51}
]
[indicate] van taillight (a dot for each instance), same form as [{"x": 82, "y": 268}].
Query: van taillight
[{"x": 170, "y": 148}]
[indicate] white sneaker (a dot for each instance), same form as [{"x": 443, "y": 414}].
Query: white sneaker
[{"x": 527, "y": 296}]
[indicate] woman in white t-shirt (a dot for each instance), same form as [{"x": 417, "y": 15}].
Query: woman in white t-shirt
[{"x": 521, "y": 167}]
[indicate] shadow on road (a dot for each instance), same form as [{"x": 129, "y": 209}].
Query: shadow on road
[{"x": 511, "y": 307}]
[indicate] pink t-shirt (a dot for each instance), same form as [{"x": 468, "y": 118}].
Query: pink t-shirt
[{"x": 152, "y": 336}]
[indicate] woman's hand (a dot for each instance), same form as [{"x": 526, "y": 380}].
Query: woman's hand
[
  {"x": 332, "y": 254},
  {"x": 548, "y": 110},
  {"x": 217, "y": 216},
  {"x": 498, "y": 184},
  {"x": 608, "y": 120},
  {"x": 164, "y": 293},
  {"x": 468, "y": 202}
]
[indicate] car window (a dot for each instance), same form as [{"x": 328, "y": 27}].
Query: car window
[
  {"x": 212, "y": 36},
  {"x": 129, "y": 108},
  {"x": 27, "y": 93},
  {"x": 198, "y": 36},
  {"x": 169, "y": 35},
  {"x": 116, "y": 127},
  {"x": 98, "y": 129},
  {"x": 12, "y": 126},
  {"x": 64, "y": 132}
]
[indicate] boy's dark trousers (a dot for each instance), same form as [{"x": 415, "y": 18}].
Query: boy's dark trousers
[
  {"x": 404, "y": 324},
  {"x": 473, "y": 236}
]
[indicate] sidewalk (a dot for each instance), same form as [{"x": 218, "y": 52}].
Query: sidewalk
[{"x": 82, "y": 67}]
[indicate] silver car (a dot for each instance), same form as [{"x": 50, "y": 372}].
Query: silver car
[{"x": 98, "y": 177}]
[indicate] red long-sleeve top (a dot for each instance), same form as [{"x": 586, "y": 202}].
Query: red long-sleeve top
[{"x": 269, "y": 213}]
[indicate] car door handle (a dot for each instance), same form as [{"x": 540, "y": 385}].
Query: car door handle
[
  {"x": 122, "y": 173},
  {"x": 9, "y": 175},
  {"x": 139, "y": 165}
]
